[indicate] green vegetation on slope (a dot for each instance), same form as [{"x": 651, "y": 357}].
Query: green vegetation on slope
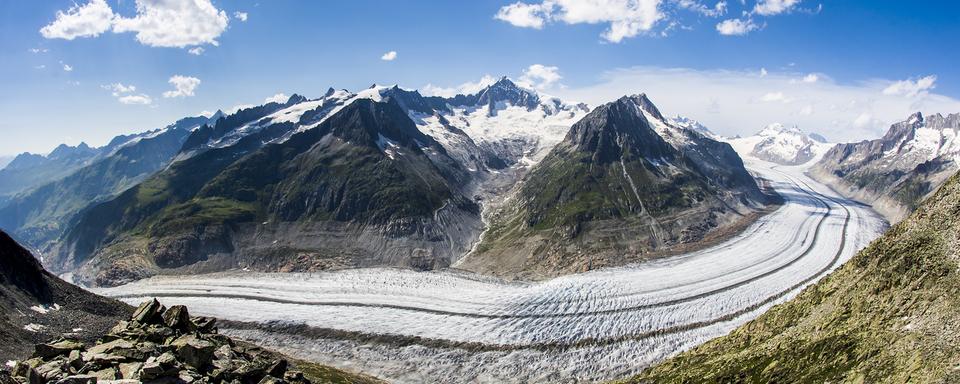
[{"x": 891, "y": 314}]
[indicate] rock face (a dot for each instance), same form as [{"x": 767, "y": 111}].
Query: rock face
[
  {"x": 156, "y": 345},
  {"x": 783, "y": 145},
  {"x": 625, "y": 184},
  {"x": 35, "y": 305},
  {"x": 895, "y": 172},
  {"x": 889, "y": 315}
]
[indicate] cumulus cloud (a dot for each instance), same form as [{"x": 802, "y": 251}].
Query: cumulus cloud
[
  {"x": 141, "y": 99},
  {"x": 389, "y": 56},
  {"x": 731, "y": 102},
  {"x": 278, "y": 98},
  {"x": 774, "y": 7},
  {"x": 625, "y": 18},
  {"x": 540, "y": 76},
  {"x": 242, "y": 16},
  {"x": 183, "y": 86},
  {"x": 910, "y": 87},
  {"x": 464, "y": 89},
  {"x": 88, "y": 20},
  {"x": 736, "y": 27},
  {"x": 67, "y": 67},
  {"x": 157, "y": 23},
  {"x": 719, "y": 9},
  {"x": 811, "y": 78},
  {"x": 195, "y": 51}
]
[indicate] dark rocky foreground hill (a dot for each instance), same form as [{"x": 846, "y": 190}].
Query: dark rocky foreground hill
[
  {"x": 889, "y": 315},
  {"x": 36, "y": 305},
  {"x": 164, "y": 345}
]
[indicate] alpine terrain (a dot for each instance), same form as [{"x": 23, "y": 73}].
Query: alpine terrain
[
  {"x": 897, "y": 171},
  {"x": 625, "y": 184},
  {"x": 889, "y": 315}
]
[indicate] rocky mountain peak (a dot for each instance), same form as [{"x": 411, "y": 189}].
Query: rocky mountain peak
[
  {"x": 644, "y": 103},
  {"x": 295, "y": 99},
  {"x": 614, "y": 128}
]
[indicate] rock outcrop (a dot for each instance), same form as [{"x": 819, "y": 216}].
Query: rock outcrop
[{"x": 156, "y": 345}]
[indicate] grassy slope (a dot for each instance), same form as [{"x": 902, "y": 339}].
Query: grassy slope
[{"x": 890, "y": 314}]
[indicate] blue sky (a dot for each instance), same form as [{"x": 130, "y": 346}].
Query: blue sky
[{"x": 871, "y": 61}]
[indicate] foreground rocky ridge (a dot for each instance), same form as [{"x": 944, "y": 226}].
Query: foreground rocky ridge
[
  {"x": 889, "y": 315},
  {"x": 161, "y": 345}
]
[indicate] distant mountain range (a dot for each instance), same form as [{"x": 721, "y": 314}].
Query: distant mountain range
[
  {"x": 386, "y": 176},
  {"x": 783, "y": 145},
  {"x": 896, "y": 171}
]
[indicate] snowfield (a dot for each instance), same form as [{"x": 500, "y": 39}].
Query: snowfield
[{"x": 450, "y": 326}]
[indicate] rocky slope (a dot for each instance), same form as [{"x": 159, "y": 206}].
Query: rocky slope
[
  {"x": 363, "y": 187},
  {"x": 889, "y": 315},
  {"x": 625, "y": 184},
  {"x": 783, "y": 145},
  {"x": 164, "y": 345},
  {"x": 895, "y": 172},
  {"x": 35, "y": 305}
]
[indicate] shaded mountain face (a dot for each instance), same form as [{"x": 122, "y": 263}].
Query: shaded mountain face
[
  {"x": 364, "y": 187},
  {"x": 35, "y": 305},
  {"x": 27, "y": 170},
  {"x": 40, "y": 216},
  {"x": 895, "y": 172},
  {"x": 782, "y": 145},
  {"x": 889, "y": 315},
  {"x": 624, "y": 184}
]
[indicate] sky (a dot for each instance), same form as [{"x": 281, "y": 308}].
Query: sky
[{"x": 88, "y": 70}]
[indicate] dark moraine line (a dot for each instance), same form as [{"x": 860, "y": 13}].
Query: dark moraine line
[{"x": 682, "y": 300}]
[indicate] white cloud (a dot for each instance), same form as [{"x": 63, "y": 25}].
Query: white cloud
[
  {"x": 763, "y": 72},
  {"x": 174, "y": 23},
  {"x": 184, "y": 86},
  {"x": 774, "y": 7},
  {"x": 278, "y": 98},
  {"x": 389, "y": 56},
  {"x": 41, "y": 66},
  {"x": 626, "y": 18},
  {"x": 242, "y": 16},
  {"x": 67, "y": 67},
  {"x": 140, "y": 99},
  {"x": 118, "y": 88},
  {"x": 524, "y": 15},
  {"x": 157, "y": 23},
  {"x": 39, "y": 50},
  {"x": 729, "y": 101},
  {"x": 863, "y": 120},
  {"x": 811, "y": 78},
  {"x": 736, "y": 27},
  {"x": 89, "y": 20},
  {"x": 464, "y": 89},
  {"x": 540, "y": 76},
  {"x": 910, "y": 87},
  {"x": 195, "y": 51},
  {"x": 719, "y": 9}
]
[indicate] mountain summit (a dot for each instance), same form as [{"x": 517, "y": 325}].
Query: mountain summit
[{"x": 622, "y": 186}]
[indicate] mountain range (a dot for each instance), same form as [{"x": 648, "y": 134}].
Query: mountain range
[
  {"x": 387, "y": 176},
  {"x": 782, "y": 145},
  {"x": 895, "y": 172}
]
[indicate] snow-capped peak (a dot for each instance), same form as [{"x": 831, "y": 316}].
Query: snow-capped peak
[
  {"x": 775, "y": 129},
  {"x": 781, "y": 144}
]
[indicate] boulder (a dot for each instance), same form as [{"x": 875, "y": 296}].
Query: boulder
[
  {"x": 56, "y": 348},
  {"x": 130, "y": 371},
  {"x": 77, "y": 379},
  {"x": 149, "y": 312},
  {"x": 176, "y": 317},
  {"x": 195, "y": 352}
]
